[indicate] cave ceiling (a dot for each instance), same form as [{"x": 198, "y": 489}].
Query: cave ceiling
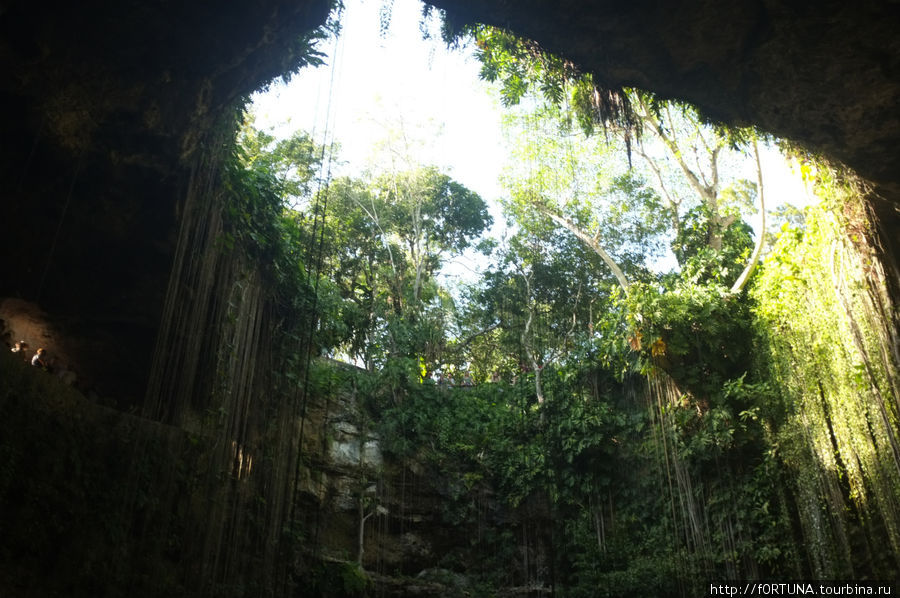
[{"x": 106, "y": 102}]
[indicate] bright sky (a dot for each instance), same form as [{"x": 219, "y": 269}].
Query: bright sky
[
  {"x": 383, "y": 81},
  {"x": 376, "y": 82}
]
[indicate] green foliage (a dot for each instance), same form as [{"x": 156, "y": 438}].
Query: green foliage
[
  {"x": 544, "y": 301},
  {"x": 702, "y": 264},
  {"x": 384, "y": 241},
  {"x": 771, "y": 411},
  {"x": 371, "y": 247},
  {"x": 820, "y": 312},
  {"x": 585, "y": 180},
  {"x": 699, "y": 334},
  {"x": 489, "y": 441},
  {"x": 522, "y": 66},
  {"x": 257, "y": 183},
  {"x": 294, "y": 162},
  {"x": 426, "y": 206},
  {"x": 585, "y": 187},
  {"x": 773, "y": 414},
  {"x": 325, "y": 579}
]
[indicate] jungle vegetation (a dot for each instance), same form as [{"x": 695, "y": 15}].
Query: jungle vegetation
[{"x": 733, "y": 415}]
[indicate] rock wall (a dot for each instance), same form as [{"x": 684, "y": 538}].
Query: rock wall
[
  {"x": 345, "y": 478},
  {"x": 105, "y": 105},
  {"x": 100, "y": 502}
]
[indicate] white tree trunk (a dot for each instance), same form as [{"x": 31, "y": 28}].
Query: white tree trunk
[{"x": 741, "y": 282}]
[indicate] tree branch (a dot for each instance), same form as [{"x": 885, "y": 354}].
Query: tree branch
[
  {"x": 741, "y": 282},
  {"x": 708, "y": 196},
  {"x": 475, "y": 335},
  {"x": 591, "y": 242},
  {"x": 673, "y": 205}
]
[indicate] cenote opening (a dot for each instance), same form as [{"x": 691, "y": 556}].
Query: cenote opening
[{"x": 381, "y": 299}]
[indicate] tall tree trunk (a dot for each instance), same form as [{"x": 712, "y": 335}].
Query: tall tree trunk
[
  {"x": 591, "y": 242},
  {"x": 741, "y": 282}
]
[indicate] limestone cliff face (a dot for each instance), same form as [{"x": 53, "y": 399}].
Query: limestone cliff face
[{"x": 354, "y": 496}]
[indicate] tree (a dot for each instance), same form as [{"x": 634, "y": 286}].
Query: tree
[
  {"x": 659, "y": 132},
  {"x": 707, "y": 218},
  {"x": 295, "y": 161},
  {"x": 536, "y": 308},
  {"x": 432, "y": 216},
  {"x": 582, "y": 186},
  {"x": 385, "y": 239}
]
